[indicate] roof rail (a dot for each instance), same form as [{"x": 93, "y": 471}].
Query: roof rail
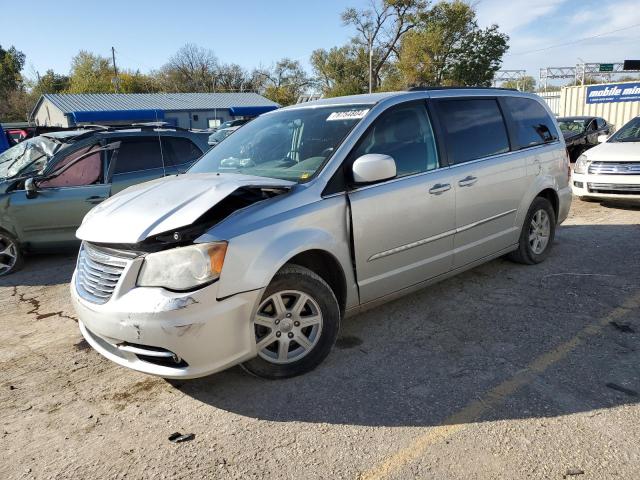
[
  {"x": 142, "y": 126},
  {"x": 154, "y": 125},
  {"x": 420, "y": 89},
  {"x": 93, "y": 127}
]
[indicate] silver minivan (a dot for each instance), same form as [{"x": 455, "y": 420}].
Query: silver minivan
[{"x": 311, "y": 213}]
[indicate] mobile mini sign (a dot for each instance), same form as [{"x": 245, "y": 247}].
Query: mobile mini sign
[{"x": 619, "y": 92}]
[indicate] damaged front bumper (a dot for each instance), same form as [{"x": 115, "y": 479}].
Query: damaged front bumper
[{"x": 170, "y": 334}]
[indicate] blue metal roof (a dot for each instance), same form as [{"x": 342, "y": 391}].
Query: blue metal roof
[
  {"x": 69, "y": 102},
  {"x": 84, "y": 116},
  {"x": 250, "y": 111}
]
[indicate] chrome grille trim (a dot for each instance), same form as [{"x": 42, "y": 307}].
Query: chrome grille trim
[
  {"x": 614, "y": 168},
  {"x": 614, "y": 187},
  {"x": 98, "y": 273}
]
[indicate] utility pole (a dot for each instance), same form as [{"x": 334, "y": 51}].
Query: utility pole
[
  {"x": 370, "y": 64},
  {"x": 115, "y": 70}
]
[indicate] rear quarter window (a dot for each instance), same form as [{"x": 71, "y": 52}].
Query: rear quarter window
[
  {"x": 474, "y": 128},
  {"x": 135, "y": 154},
  {"x": 180, "y": 150},
  {"x": 531, "y": 123}
]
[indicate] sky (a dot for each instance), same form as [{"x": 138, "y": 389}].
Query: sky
[{"x": 253, "y": 32}]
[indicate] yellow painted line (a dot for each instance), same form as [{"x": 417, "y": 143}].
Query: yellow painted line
[{"x": 493, "y": 397}]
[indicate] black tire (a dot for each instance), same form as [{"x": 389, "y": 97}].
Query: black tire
[
  {"x": 9, "y": 241},
  {"x": 300, "y": 279},
  {"x": 525, "y": 253}
]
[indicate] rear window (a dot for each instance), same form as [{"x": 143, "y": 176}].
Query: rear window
[
  {"x": 474, "y": 128},
  {"x": 533, "y": 125}
]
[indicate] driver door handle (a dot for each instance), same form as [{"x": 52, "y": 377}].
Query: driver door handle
[
  {"x": 468, "y": 181},
  {"x": 95, "y": 199},
  {"x": 439, "y": 188}
]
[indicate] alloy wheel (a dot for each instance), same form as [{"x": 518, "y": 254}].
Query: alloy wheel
[
  {"x": 288, "y": 325},
  {"x": 8, "y": 254},
  {"x": 539, "y": 231}
]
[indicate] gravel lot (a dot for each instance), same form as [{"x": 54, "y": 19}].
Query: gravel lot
[{"x": 506, "y": 371}]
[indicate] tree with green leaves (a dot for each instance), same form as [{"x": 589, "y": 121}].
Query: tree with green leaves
[
  {"x": 11, "y": 65},
  {"x": 525, "y": 84},
  {"x": 284, "y": 82},
  {"x": 90, "y": 73},
  {"x": 380, "y": 29},
  {"x": 51, "y": 82},
  {"x": 12, "y": 88},
  {"x": 341, "y": 70},
  {"x": 448, "y": 47}
]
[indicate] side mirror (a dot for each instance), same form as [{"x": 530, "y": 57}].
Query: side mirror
[
  {"x": 31, "y": 188},
  {"x": 602, "y": 138},
  {"x": 373, "y": 167}
]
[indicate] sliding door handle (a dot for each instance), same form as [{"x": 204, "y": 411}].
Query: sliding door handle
[
  {"x": 439, "y": 188},
  {"x": 468, "y": 181}
]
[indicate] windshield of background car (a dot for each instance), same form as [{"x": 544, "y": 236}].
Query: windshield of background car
[
  {"x": 573, "y": 126},
  {"x": 29, "y": 156},
  {"x": 287, "y": 144},
  {"x": 630, "y": 132}
]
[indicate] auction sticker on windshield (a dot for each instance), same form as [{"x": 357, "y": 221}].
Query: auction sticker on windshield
[{"x": 347, "y": 115}]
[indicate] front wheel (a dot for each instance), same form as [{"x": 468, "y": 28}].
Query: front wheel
[
  {"x": 10, "y": 255},
  {"x": 295, "y": 326},
  {"x": 537, "y": 233}
]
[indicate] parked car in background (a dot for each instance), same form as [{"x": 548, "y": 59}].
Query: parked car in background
[
  {"x": 18, "y": 134},
  {"x": 49, "y": 182},
  {"x": 310, "y": 213},
  {"x": 581, "y": 133},
  {"x": 219, "y": 135},
  {"x": 233, "y": 123},
  {"x": 612, "y": 169}
]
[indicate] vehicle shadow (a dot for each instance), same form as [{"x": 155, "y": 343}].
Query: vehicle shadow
[
  {"x": 621, "y": 204},
  {"x": 43, "y": 270},
  {"x": 421, "y": 359}
]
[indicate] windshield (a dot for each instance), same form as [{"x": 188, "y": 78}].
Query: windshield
[
  {"x": 28, "y": 156},
  {"x": 572, "y": 126},
  {"x": 630, "y": 132},
  {"x": 287, "y": 144}
]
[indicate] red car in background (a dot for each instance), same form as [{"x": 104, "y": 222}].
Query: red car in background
[{"x": 17, "y": 134}]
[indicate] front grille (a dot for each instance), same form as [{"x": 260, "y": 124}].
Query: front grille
[
  {"x": 615, "y": 168},
  {"x": 98, "y": 273},
  {"x": 617, "y": 188}
]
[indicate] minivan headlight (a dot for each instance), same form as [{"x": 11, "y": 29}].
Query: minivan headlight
[
  {"x": 581, "y": 165},
  {"x": 183, "y": 268}
]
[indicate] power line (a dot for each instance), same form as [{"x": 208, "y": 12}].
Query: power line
[{"x": 573, "y": 42}]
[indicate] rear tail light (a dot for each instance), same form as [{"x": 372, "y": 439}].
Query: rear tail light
[{"x": 568, "y": 159}]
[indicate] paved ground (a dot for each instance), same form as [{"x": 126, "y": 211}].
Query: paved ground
[{"x": 506, "y": 371}]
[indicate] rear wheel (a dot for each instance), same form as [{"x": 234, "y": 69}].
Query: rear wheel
[
  {"x": 537, "y": 233},
  {"x": 296, "y": 324},
  {"x": 11, "y": 258}
]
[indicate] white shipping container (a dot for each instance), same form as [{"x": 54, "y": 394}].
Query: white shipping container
[
  {"x": 573, "y": 103},
  {"x": 553, "y": 100}
]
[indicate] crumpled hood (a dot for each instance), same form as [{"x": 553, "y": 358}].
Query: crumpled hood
[
  {"x": 163, "y": 205},
  {"x": 614, "y": 152}
]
